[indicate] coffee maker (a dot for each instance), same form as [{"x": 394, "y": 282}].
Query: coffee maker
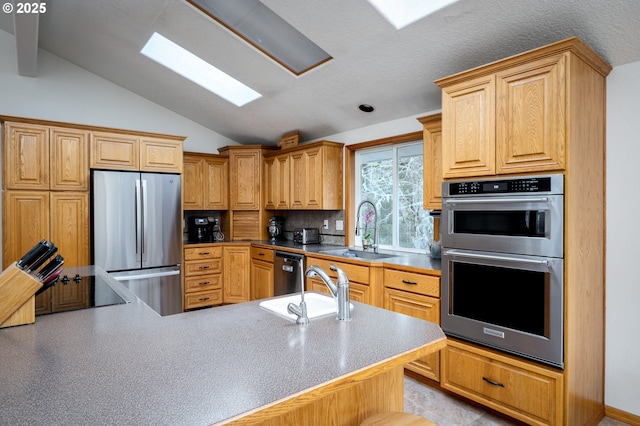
[
  {"x": 275, "y": 228},
  {"x": 199, "y": 229}
]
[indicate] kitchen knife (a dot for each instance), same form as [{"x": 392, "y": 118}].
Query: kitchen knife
[
  {"x": 42, "y": 258},
  {"x": 53, "y": 278},
  {"x": 33, "y": 254},
  {"x": 50, "y": 268}
]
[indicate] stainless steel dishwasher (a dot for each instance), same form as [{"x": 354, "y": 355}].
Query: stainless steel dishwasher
[{"x": 288, "y": 271}]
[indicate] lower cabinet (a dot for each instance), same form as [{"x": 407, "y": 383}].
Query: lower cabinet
[
  {"x": 359, "y": 289},
  {"x": 237, "y": 273},
  {"x": 261, "y": 273},
  {"x": 522, "y": 390},
  {"x": 202, "y": 276},
  {"x": 416, "y": 295}
]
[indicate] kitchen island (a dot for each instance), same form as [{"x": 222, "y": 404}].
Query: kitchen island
[{"x": 124, "y": 364}]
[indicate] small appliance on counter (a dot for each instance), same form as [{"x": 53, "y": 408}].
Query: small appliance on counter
[
  {"x": 200, "y": 229},
  {"x": 275, "y": 228},
  {"x": 216, "y": 231},
  {"x": 306, "y": 236}
]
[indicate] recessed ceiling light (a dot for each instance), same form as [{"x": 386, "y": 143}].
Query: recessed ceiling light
[
  {"x": 366, "y": 108},
  {"x": 401, "y": 13},
  {"x": 181, "y": 61},
  {"x": 258, "y": 25}
]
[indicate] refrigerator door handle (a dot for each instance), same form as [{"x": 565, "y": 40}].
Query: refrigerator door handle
[
  {"x": 145, "y": 222},
  {"x": 138, "y": 218},
  {"x": 143, "y": 275}
]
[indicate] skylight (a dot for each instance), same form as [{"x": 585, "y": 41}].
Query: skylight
[
  {"x": 401, "y": 13},
  {"x": 181, "y": 61},
  {"x": 266, "y": 31}
]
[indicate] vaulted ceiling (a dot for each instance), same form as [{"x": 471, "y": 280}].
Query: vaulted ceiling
[{"x": 373, "y": 63}]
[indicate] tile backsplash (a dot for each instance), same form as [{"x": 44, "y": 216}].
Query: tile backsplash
[{"x": 315, "y": 219}]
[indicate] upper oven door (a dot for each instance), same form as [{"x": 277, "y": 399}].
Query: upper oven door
[{"x": 519, "y": 224}]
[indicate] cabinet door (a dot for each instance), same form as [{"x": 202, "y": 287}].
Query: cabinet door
[
  {"x": 423, "y": 307},
  {"x": 245, "y": 175},
  {"x": 69, "y": 221},
  {"x": 298, "y": 180},
  {"x": 160, "y": 155},
  {"x": 270, "y": 183},
  {"x": 26, "y": 156},
  {"x": 114, "y": 151},
  {"x": 432, "y": 143},
  {"x": 531, "y": 116},
  {"x": 261, "y": 279},
  {"x": 468, "y": 128},
  {"x": 69, "y": 159},
  {"x": 216, "y": 183},
  {"x": 192, "y": 183},
  {"x": 314, "y": 179},
  {"x": 237, "y": 273},
  {"x": 357, "y": 292}
]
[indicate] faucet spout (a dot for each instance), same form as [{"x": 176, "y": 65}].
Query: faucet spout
[
  {"x": 375, "y": 225},
  {"x": 339, "y": 291}
]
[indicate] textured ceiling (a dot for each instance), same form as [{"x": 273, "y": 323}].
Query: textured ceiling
[{"x": 373, "y": 62}]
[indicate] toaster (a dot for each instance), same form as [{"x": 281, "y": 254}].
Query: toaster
[{"x": 306, "y": 235}]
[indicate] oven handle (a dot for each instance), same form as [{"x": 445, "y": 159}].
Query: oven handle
[
  {"x": 490, "y": 200},
  {"x": 492, "y": 257}
]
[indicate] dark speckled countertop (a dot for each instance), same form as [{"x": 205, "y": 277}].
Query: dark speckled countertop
[{"x": 124, "y": 364}]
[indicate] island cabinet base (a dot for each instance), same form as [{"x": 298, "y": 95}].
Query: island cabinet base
[{"x": 345, "y": 402}]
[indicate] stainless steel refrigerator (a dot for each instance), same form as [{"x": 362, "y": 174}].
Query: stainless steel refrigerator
[{"x": 137, "y": 234}]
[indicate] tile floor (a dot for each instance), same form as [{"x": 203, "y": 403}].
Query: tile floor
[{"x": 445, "y": 410}]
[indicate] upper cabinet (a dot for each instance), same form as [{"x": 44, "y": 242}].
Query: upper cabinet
[
  {"x": 39, "y": 157},
  {"x": 206, "y": 181},
  {"x": 514, "y": 115},
  {"x": 432, "y": 141},
  {"x": 307, "y": 177},
  {"x": 129, "y": 151}
]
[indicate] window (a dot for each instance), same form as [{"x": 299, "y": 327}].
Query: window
[{"x": 391, "y": 178}]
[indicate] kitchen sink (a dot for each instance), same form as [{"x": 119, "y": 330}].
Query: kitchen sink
[
  {"x": 318, "y": 305},
  {"x": 357, "y": 254}
]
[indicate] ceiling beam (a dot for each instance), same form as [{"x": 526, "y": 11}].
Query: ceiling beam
[{"x": 26, "y": 33}]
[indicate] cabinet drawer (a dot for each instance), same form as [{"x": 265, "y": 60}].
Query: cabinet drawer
[
  {"x": 525, "y": 391},
  {"x": 201, "y": 299},
  {"x": 197, "y": 253},
  {"x": 262, "y": 254},
  {"x": 202, "y": 282},
  {"x": 415, "y": 283},
  {"x": 203, "y": 267},
  {"x": 354, "y": 272}
]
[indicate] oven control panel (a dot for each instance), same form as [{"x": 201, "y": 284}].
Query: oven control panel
[{"x": 529, "y": 184}]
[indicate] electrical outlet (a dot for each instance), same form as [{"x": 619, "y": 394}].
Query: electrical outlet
[
  {"x": 339, "y": 225},
  {"x": 326, "y": 224}
]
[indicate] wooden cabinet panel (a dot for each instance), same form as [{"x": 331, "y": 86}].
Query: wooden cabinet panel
[
  {"x": 427, "y": 285},
  {"x": 356, "y": 273},
  {"x": 237, "y": 273},
  {"x": 69, "y": 159},
  {"x": 115, "y": 151},
  {"x": 261, "y": 279},
  {"x": 266, "y": 255},
  {"x": 25, "y": 156},
  {"x": 530, "y": 116},
  {"x": 69, "y": 221},
  {"x": 468, "y": 123},
  {"x": 432, "y": 143},
  {"x": 206, "y": 252},
  {"x": 245, "y": 174},
  {"x": 192, "y": 183},
  {"x": 314, "y": 179},
  {"x": 298, "y": 182},
  {"x": 25, "y": 221},
  {"x": 203, "y": 299},
  {"x": 202, "y": 267},
  {"x": 276, "y": 182},
  {"x": 216, "y": 183},
  {"x": 202, "y": 283},
  {"x": 423, "y": 307},
  {"x": 203, "y": 276},
  {"x": 357, "y": 292},
  {"x": 160, "y": 155},
  {"x": 524, "y": 391}
]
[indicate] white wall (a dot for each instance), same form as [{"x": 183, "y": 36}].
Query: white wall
[
  {"x": 622, "y": 370},
  {"x": 65, "y": 92}
]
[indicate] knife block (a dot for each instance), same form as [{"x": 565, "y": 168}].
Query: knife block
[{"x": 17, "y": 297}]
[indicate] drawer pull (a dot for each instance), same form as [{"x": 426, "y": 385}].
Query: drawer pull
[
  {"x": 204, "y": 267},
  {"x": 409, "y": 282},
  {"x": 204, "y": 282},
  {"x": 204, "y": 298},
  {"x": 492, "y": 383},
  {"x": 260, "y": 254},
  {"x": 204, "y": 253}
]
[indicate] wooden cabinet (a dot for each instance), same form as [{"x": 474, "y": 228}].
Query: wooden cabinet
[
  {"x": 39, "y": 157},
  {"x": 205, "y": 182},
  {"x": 237, "y": 273},
  {"x": 133, "y": 151},
  {"x": 308, "y": 177},
  {"x": 516, "y": 115},
  {"x": 25, "y": 221},
  {"x": 359, "y": 289},
  {"x": 432, "y": 142},
  {"x": 525, "y": 391},
  {"x": 245, "y": 167},
  {"x": 203, "y": 271},
  {"x": 261, "y": 273},
  {"x": 417, "y": 295}
]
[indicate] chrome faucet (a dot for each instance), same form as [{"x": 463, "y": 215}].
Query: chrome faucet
[
  {"x": 375, "y": 225},
  {"x": 339, "y": 291},
  {"x": 300, "y": 310}
]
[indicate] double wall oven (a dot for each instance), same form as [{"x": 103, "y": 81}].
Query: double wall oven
[{"x": 503, "y": 266}]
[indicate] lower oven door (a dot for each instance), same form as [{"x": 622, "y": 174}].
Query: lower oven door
[{"x": 514, "y": 303}]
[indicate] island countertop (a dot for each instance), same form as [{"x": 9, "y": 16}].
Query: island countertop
[{"x": 124, "y": 364}]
